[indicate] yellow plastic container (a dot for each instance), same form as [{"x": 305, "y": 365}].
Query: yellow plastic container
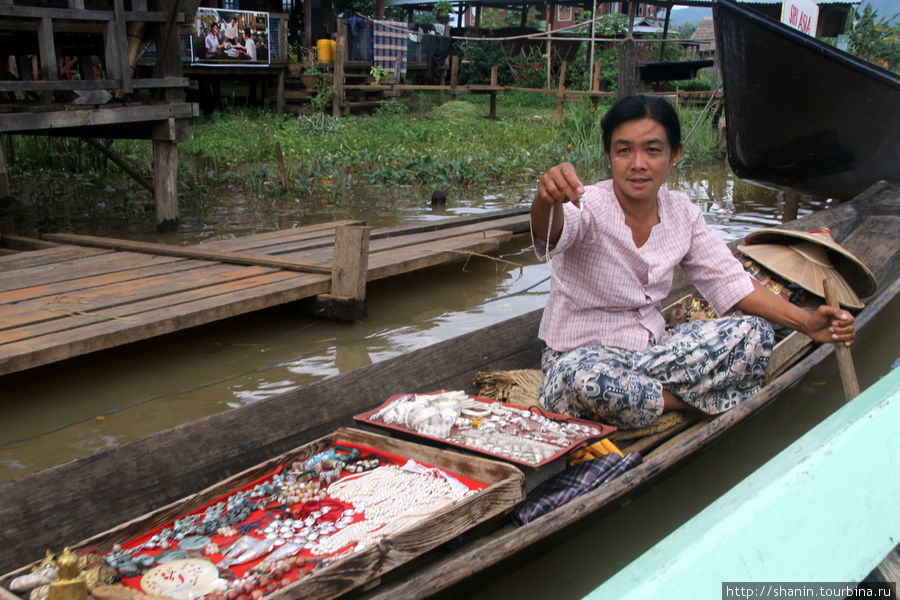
[{"x": 325, "y": 50}]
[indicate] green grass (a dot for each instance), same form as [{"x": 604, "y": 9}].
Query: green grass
[{"x": 413, "y": 143}]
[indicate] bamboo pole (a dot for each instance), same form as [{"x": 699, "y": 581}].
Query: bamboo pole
[
  {"x": 845, "y": 360},
  {"x": 120, "y": 161}
]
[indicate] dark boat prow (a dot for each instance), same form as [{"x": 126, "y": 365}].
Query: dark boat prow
[{"x": 802, "y": 115}]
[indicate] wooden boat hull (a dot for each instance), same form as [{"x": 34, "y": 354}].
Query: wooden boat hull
[
  {"x": 87, "y": 496},
  {"x": 800, "y": 114}
]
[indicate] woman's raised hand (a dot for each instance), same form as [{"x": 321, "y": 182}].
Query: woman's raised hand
[{"x": 560, "y": 184}]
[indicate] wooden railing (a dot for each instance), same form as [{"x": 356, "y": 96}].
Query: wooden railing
[{"x": 111, "y": 24}]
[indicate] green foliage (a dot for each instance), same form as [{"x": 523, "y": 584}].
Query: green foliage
[
  {"x": 494, "y": 18},
  {"x": 309, "y": 60},
  {"x": 324, "y": 92},
  {"x": 365, "y": 8},
  {"x": 424, "y": 17},
  {"x": 612, "y": 25},
  {"x": 528, "y": 70},
  {"x": 875, "y": 39},
  {"x": 378, "y": 73},
  {"x": 443, "y": 7},
  {"x": 703, "y": 144},
  {"x": 392, "y": 108},
  {"x": 583, "y": 136},
  {"x": 452, "y": 145}
]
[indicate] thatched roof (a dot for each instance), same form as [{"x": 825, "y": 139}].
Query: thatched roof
[{"x": 705, "y": 33}]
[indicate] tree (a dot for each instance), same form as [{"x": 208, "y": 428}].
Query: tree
[{"x": 874, "y": 39}]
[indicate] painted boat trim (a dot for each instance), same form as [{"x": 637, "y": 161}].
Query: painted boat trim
[{"x": 775, "y": 526}]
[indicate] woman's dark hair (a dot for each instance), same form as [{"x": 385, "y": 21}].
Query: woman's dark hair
[{"x": 638, "y": 107}]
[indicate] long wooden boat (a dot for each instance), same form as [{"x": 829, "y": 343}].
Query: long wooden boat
[
  {"x": 82, "y": 499},
  {"x": 802, "y": 115}
]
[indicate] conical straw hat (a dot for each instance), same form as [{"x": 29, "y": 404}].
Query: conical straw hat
[
  {"x": 853, "y": 271},
  {"x": 805, "y": 263}
]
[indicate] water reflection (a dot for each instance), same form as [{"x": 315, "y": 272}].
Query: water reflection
[{"x": 86, "y": 404}]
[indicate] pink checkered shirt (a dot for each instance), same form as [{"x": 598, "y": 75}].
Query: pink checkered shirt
[{"x": 607, "y": 292}]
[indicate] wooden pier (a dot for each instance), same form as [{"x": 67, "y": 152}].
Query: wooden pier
[{"x": 69, "y": 295}]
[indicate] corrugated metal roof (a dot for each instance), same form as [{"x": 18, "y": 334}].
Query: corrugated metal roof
[
  {"x": 518, "y": 3},
  {"x": 819, "y": 2}
]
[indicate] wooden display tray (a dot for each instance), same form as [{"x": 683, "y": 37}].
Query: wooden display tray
[
  {"x": 599, "y": 430},
  {"x": 504, "y": 489}
]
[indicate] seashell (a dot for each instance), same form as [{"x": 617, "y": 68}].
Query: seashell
[
  {"x": 288, "y": 550},
  {"x": 240, "y": 546},
  {"x": 26, "y": 583},
  {"x": 258, "y": 549}
]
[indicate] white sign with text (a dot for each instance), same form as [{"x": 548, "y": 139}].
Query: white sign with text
[{"x": 800, "y": 14}]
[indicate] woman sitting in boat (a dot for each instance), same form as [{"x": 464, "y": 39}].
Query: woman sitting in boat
[{"x": 613, "y": 247}]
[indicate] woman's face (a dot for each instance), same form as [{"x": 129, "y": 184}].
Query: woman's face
[{"x": 641, "y": 159}]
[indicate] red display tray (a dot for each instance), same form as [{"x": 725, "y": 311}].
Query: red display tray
[{"x": 529, "y": 437}]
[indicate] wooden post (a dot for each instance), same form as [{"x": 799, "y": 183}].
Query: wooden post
[
  {"x": 791, "y": 204},
  {"x": 279, "y": 91},
  {"x": 121, "y": 42},
  {"x": 337, "y": 101},
  {"x": 665, "y": 34},
  {"x": 454, "y": 75},
  {"x": 595, "y": 85},
  {"x": 307, "y": 23},
  {"x": 47, "y": 50},
  {"x": 561, "y": 93},
  {"x": 551, "y": 21},
  {"x": 398, "y": 69},
  {"x": 627, "y": 67},
  {"x": 844, "y": 358},
  {"x": 4, "y": 175},
  {"x": 628, "y": 57},
  {"x": 347, "y": 300},
  {"x": 281, "y": 166},
  {"x": 494, "y": 84},
  {"x": 165, "y": 184}
]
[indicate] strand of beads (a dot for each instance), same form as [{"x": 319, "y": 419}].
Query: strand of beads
[{"x": 391, "y": 498}]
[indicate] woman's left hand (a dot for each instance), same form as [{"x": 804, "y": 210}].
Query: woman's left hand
[{"x": 830, "y": 324}]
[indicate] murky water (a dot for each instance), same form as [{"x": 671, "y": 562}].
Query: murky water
[{"x": 76, "y": 407}]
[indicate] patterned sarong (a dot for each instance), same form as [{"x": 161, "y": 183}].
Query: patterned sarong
[
  {"x": 712, "y": 365},
  {"x": 389, "y": 41},
  {"x": 572, "y": 482}
]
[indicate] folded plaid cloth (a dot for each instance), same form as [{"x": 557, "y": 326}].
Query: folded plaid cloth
[
  {"x": 389, "y": 43},
  {"x": 572, "y": 482}
]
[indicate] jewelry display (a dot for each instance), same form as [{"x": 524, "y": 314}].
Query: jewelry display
[
  {"x": 520, "y": 435},
  {"x": 281, "y": 527}
]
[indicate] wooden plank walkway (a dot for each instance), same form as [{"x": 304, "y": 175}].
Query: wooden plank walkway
[
  {"x": 822, "y": 510},
  {"x": 67, "y": 300}
]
